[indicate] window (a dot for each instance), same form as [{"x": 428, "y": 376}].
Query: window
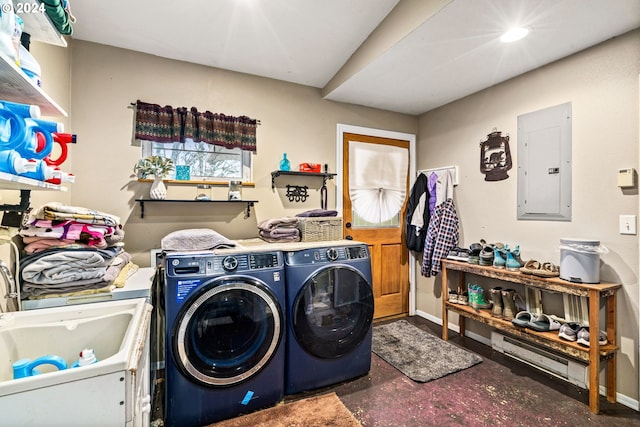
[{"x": 199, "y": 161}]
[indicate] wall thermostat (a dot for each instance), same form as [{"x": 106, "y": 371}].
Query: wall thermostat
[{"x": 626, "y": 178}]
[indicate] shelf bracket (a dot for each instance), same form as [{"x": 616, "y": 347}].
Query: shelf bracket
[
  {"x": 22, "y": 207},
  {"x": 274, "y": 175},
  {"x": 248, "y": 213},
  {"x": 141, "y": 208},
  {"x": 13, "y": 214}
]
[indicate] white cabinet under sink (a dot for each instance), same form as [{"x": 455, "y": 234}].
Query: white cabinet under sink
[{"x": 115, "y": 391}]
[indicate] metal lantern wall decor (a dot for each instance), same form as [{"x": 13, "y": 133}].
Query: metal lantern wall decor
[{"x": 495, "y": 156}]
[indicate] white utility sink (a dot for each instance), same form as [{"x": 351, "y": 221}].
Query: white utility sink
[{"x": 113, "y": 391}]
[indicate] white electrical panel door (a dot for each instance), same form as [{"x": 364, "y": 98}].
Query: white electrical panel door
[{"x": 544, "y": 164}]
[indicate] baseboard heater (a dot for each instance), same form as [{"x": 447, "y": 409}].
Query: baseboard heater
[{"x": 559, "y": 366}]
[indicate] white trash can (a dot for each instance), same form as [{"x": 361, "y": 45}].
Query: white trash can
[{"x": 580, "y": 260}]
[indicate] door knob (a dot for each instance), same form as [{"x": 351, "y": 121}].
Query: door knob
[
  {"x": 348, "y": 237},
  {"x": 348, "y": 225}
]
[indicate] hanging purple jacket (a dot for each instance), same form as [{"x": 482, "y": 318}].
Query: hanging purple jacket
[{"x": 432, "y": 185}]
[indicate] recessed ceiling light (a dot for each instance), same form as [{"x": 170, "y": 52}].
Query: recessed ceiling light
[{"x": 514, "y": 34}]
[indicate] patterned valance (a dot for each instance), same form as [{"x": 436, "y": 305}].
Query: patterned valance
[{"x": 175, "y": 124}]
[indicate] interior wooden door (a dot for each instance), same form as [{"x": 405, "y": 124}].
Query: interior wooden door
[{"x": 386, "y": 162}]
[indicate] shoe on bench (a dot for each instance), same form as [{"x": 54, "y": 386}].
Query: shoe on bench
[{"x": 569, "y": 331}]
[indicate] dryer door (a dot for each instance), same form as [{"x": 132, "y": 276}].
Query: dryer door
[
  {"x": 333, "y": 312},
  {"x": 227, "y": 332}
]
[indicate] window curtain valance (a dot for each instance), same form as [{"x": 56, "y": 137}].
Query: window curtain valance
[{"x": 173, "y": 124}]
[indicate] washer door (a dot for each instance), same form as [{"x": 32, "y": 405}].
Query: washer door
[
  {"x": 227, "y": 332},
  {"x": 333, "y": 312}
]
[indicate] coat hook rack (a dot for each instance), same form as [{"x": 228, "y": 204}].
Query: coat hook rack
[{"x": 297, "y": 193}]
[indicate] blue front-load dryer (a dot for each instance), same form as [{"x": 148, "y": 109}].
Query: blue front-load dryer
[
  {"x": 224, "y": 335},
  {"x": 330, "y": 315}
]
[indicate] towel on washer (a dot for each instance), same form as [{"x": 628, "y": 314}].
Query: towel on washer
[
  {"x": 279, "y": 230},
  {"x": 273, "y": 223},
  {"x": 195, "y": 239}
]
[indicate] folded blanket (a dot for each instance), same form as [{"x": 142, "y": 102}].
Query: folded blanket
[
  {"x": 63, "y": 266},
  {"x": 108, "y": 253},
  {"x": 34, "y": 292},
  {"x": 195, "y": 239},
  {"x": 318, "y": 212},
  {"x": 67, "y": 231},
  {"x": 105, "y": 282},
  {"x": 59, "y": 211},
  {"x": 37, "y": 244},
  {"x": 270, "y": 224}
]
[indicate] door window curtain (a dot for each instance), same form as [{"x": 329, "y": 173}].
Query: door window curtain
[{"x": 176, "y": 124}]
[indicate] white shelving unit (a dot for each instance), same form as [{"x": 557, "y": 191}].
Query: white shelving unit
[
  {"x": 41, "y": 29},
  {"x": 15, "y": 182},
  {"x": 15, "y": 86}
]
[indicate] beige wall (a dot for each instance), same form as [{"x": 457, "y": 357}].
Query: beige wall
[
  {"x": 295, "y": 120},
  {"x": 602, "y": 85}
]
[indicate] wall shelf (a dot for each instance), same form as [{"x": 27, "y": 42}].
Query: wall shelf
[
  {"x": 41, "y": 29},
  {"x": 249, "y": 203},
  {"x": 324, "y": 175},
  {"x": 15, "y": 86},
  {"x": 16, "y": 182}
]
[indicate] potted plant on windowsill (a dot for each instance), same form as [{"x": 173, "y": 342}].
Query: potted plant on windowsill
[{"x": 158, "y": 167}]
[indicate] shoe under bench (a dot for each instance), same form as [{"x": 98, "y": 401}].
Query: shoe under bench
[{"x": 592, "y": 355}]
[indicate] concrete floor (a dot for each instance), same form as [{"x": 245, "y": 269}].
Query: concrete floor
[{"x": 497, "y": 392}]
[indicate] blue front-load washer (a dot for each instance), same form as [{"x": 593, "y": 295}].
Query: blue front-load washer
[
  {"x": 224, "y": 335},
  {"x": 330, "y": 315}
]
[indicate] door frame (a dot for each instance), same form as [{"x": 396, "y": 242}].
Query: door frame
[{"x": 341, "y": 129}]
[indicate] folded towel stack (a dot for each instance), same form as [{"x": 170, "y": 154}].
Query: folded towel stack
[
  {"x": 279, "y": 230},
  {"x": 71, "y": 250}
]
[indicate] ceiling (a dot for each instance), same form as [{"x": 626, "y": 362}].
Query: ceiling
[{"x": 408, "y": 56}]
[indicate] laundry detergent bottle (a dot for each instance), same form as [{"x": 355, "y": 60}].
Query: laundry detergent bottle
[
  {"x": 87, "y": 357},
  {"x": 27, "y": 368},
  {"x": 23, "y": 110},
  {"x": 62, "y": 139},
  {"x": 37, "y": 143},
  {"x": 12, "y": 162},
  {"x": 12, "y": 130}
]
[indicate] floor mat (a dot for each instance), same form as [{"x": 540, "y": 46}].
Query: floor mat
[
  {"x": 319, "y": 411},
  {"x": 418, "y": 354}
]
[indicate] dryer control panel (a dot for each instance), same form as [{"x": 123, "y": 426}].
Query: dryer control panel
[{"x": 326, "y": 255}]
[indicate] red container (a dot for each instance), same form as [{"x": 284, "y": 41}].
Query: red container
[{"x": 310, "y": 167}]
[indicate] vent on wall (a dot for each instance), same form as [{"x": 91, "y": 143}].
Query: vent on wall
[
  {"x": 562, "y": 367},
  {"x": 576, "y": 309}
]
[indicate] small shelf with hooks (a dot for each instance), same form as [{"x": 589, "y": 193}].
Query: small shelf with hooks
[
  {"x": 249, "y": 203},
  {"x": 324, "y": 175}
]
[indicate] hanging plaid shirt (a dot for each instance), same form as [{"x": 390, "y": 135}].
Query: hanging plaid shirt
[{"x": 442, "y": 236}]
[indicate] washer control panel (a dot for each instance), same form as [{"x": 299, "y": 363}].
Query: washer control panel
[
  {"x": 204, "y": 265},
  {"x": 326, "y": 255}
]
